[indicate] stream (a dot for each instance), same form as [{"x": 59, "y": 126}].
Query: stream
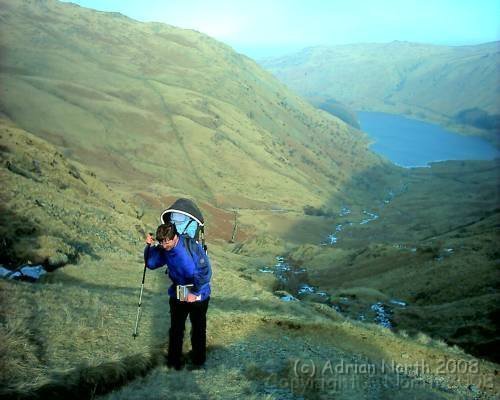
[
  {"x": 294, "y": 284},
  {"x": 294, "y": 287}
]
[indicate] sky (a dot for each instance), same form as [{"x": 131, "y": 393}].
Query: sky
[{"x": 264, "y": 28}]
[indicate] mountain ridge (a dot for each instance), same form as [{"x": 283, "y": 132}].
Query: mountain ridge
[
  {"x": 429, "y": 82},
  {"x": 124, "y": 95}
]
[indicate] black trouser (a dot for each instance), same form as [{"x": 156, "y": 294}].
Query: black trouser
[{"x": 179, "y": 311}]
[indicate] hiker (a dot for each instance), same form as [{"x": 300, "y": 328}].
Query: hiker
[{"x": 189, "y": 269}]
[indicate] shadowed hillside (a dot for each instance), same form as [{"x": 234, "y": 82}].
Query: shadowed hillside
[
  {"x": 160, "y": 109},
  {"x": 457, "y": 86},
  {"x": 431, "y": 245},
  {"x": 428, "y": 242}
]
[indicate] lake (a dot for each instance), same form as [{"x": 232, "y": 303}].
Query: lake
[{"x": 411, "y": 143}]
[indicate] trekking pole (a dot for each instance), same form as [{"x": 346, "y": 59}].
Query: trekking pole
[{"x": 140, "y": 296}]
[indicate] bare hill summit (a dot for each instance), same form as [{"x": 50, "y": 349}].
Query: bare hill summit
[{"x": 157, "y": 108}]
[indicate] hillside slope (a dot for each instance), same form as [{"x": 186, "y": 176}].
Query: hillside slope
[
  {"x": 431, "y": 246},
  {"x": 164, "y": 110},
  {"x": 70, "y": 334},
  {"x": 56, "y": 211},
  {"x": 437, "y": 83}
]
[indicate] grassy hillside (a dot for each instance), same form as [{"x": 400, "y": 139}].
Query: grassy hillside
[
  {"x": 142, "y": 101},
  {"x": 70, "y": 334},
  {"x": 105, "y": 121},
  {"x": 450, "y": 85},
  {"x": 51, "y": 206}
]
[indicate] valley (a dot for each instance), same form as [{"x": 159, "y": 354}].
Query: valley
[
  {"x": 425, "y": 245},
  {"x": 105, "y": 121},
  {"x": 75, "y": 324},
  {"x": 453, "y": 86}
]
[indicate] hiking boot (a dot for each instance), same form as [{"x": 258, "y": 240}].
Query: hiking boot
[
  {"x": 177, "y": 367},
  {"x": 195, "y": 359},
  {"x": 174, "y": 365},
  {"x": 196, "y": 367}
]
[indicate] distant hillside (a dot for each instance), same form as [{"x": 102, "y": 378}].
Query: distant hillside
[
  {"x": 452, "y": 85},
  {"x": 157, "y": 110}
]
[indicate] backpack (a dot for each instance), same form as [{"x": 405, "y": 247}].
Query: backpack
[
  {"x": 198, "y": 253},
  {"x": 188, "y": 220}
]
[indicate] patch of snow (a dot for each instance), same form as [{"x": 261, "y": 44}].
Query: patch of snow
[
  {"x": 305, "y": 289},
  {"x": 344, "y": 211},
  {"x": 34, "y": 272},
  {"x": 398, "y": 302},
  {"x": 336, "y": 308},
  {"x": 288, "y": 297},
  {"x": 332, "y": 239},
  {"x": 371, "y": 217},
  {"x": 382, "y": 315},
  {"x": 4, "y": 272},
  {"x": 28, "y": 272}
]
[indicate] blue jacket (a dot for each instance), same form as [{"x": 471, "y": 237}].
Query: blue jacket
[{"x": 182, "y": 268}]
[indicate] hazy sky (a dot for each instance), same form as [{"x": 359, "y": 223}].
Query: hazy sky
[{"x": 262, "y": 27}]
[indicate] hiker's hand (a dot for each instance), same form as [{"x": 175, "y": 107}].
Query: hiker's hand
[
  {"x": 191, "y": 298},
  {"x": 150, "y": 239}
]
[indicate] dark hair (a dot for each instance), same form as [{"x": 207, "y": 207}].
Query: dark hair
[{"x": 166, "y": 231}]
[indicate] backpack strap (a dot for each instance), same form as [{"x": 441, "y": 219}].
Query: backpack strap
[
  {"x": 188, "y": 244},
  {"x": 202, "y": 238}
]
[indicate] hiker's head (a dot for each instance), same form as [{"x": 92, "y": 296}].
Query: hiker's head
[{"x": 166, "y": 235}]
